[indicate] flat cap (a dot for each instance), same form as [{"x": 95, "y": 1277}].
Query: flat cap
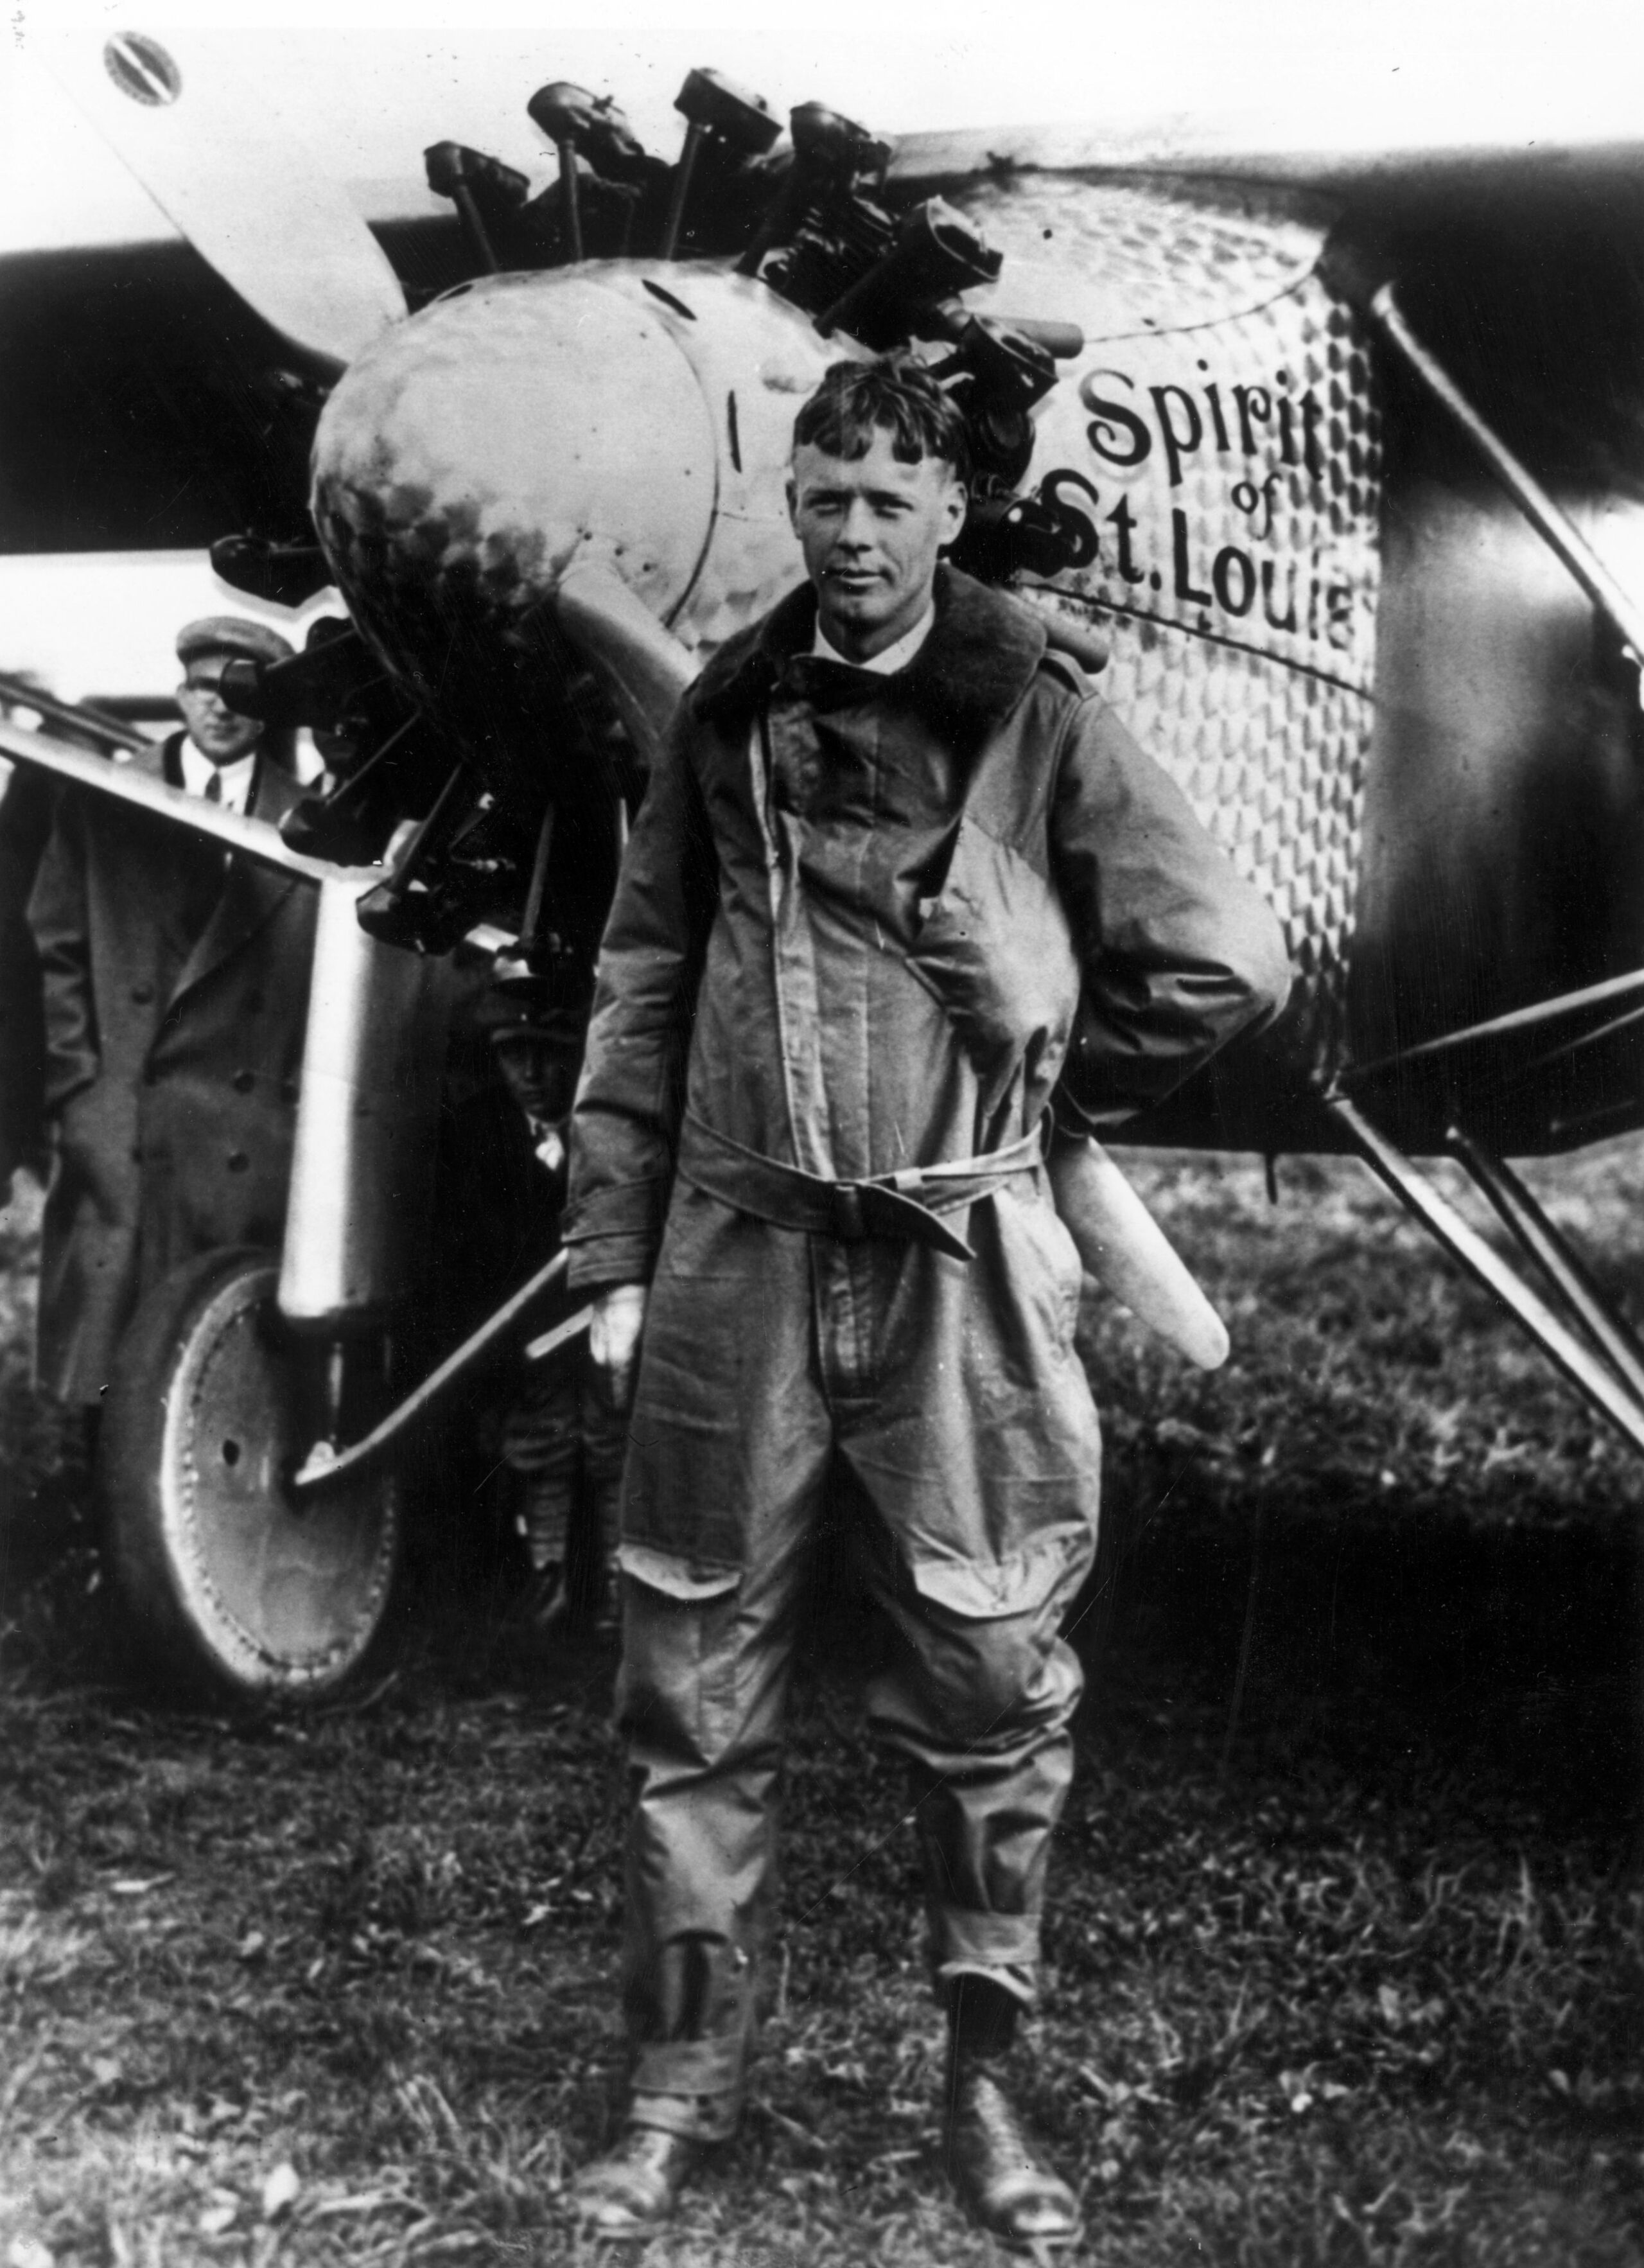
[{"x": 230, "y": 634}]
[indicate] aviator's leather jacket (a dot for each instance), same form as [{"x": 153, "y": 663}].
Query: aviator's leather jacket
[{"x": 871, "y": 923}]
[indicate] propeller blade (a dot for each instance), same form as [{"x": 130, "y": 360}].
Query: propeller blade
[
  {"x": 248, "y": 197},
  {"x": 1130, "y": 1255},
  {"x": 130, "y": 784},
  {"x": 644, "y": 668}
]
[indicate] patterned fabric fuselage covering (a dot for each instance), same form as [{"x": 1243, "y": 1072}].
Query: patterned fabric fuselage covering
[
  {"x": 1219, "y": 434},
  {"x": 1215, "y": 442}
]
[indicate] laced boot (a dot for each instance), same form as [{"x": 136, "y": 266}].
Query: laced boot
[
  {"x": 631, "y": 2192},
  {"x": 994, "y": 2164}
]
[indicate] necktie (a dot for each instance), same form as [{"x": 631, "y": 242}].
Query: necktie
[{"x": 205, "y": 868}]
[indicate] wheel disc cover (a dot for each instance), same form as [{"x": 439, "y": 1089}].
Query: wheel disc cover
[{"x": 283, "y": 1599}]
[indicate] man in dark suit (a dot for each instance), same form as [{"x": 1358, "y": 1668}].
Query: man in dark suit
[{"x": 176, "y": 997}]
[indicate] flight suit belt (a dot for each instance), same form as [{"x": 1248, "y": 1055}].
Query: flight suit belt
[{"x": 906, "y": 1205}]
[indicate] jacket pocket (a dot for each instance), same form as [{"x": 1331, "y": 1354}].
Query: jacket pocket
[{"x": 996, "y": 950}]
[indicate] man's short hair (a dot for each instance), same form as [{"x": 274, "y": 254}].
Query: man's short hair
[{"x": 894, "y": 393}]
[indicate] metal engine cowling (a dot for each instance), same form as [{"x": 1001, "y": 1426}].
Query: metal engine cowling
[
  {"x": 1220, "y": 434},
  {"x": 629, "y": 416}
]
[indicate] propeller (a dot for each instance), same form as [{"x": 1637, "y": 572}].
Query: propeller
[
  {"x": 644, "y": 667},
  {"x": 249, "y": 197},
  {"x": 1124, "y": 1247}
]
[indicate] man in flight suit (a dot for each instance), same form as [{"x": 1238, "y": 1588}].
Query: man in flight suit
[{"x": 897, "y": 879}]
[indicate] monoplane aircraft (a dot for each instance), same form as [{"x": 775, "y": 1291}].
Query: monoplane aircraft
[{"x": 1325, "y": 464}]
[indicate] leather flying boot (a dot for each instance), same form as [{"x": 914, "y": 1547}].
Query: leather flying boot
[
  {"x": 631, "y": 2192},
  {"x": 993, "y": 2163}
]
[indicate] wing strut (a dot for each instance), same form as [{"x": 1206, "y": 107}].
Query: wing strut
[
  {"x": 1602, "y": 1358},
  {"x": 1379, "y": 304},
  {"x": 1530, "y": 1228}
]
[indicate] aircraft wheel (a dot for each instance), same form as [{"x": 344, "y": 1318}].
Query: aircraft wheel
[{"x": 228, "y": 1583}]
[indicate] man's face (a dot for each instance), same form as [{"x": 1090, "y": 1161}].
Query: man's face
[
  {"x": 871, "y": 530},
  {"x": 215, "y": 730}
]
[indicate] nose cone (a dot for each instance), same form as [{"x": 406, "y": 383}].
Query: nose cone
[{"x": 476, "y": 451}]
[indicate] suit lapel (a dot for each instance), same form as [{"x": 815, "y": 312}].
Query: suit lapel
[{"x": 251, "y": 893}]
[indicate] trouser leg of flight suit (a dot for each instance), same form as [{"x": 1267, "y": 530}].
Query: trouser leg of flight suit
[
  {"x": 703, "y": 1695},
  {"x": 738, "y": 1411},
  {"x": 980, "y": 1709},
  {"x": 709, "y": 1629}
]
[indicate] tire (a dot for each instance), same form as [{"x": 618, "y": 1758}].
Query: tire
[{"x": 226, "y": 1584}]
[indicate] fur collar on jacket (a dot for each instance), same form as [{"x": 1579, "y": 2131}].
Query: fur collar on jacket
[{"x": 966, "y": 678}]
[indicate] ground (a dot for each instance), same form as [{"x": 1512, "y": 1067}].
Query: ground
[{"x": 1346, "y": 1922}]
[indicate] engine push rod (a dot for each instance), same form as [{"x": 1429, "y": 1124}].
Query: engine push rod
[{"x": 1598, "y": 1385}]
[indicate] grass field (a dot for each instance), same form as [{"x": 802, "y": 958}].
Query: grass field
[{"x": 1350, "y": 1973}]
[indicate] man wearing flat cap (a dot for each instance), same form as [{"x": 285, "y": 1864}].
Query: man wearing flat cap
[{"x": 176, "y": 996}]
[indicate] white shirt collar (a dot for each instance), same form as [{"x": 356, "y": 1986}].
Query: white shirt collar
[
  {"x": 237, "y": 777},
  {"x": 894, "y": 657}
]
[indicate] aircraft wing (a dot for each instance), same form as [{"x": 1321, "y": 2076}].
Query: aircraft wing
[
  {"x": 151, "y": 386},
  {"x": 1244, "y": 149}
]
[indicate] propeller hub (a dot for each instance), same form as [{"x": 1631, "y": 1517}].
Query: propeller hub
[
  {"x": 530, "y": 427},
  {"x": 474, "y": 453}
]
